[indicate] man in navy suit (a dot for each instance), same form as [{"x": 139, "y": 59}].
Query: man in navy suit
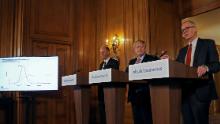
[
  {"x": 107, "y": 63},
  {"x": 202, "y": 54},
  {"x": 139, "y": 94}
]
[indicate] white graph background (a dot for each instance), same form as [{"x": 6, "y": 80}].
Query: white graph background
[{"x": 28, "y": 73}]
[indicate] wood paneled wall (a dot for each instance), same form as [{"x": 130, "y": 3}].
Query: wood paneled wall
[
  {"x": 75, "y": 29},
  {"x": 48, "y": 31},
  {"x": 165, "y": 27},
  {"x": 155, "y": 22},
  {"x": 85, "y": 34},
  {"x": 11, "y": 16},
  {"x": 195, "y": 7},
  {"x": 66, "y": 29},
  {"x": 6, "y": 27}
]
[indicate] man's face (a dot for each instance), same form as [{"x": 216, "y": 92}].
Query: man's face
[
  {"x": 139, "y": 49},
  {"x": 104, "y": 53},
  {"x": 189, "y": 31}
]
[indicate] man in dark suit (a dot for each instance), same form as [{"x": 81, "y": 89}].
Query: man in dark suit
[
  {"x": 202, "y": 54},
  {"x": 139, "y": 94},
  {"x": 107, "y": 63}
]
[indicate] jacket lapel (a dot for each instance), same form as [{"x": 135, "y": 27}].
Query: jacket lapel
[
  {"x": 197, "y": 51},
  {"x": 144, "y": 59},
  {"x": 107, "y": 64},
  {"x": 183, "y": 56}
]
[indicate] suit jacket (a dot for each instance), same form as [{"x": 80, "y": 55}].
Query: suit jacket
[
  {"x": 205, "y": 54},
  {"x": 139, "y": 90},
  {"x": 112, "y": 63}
]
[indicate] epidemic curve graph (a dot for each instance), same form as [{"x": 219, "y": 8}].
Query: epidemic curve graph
[{"x": 28, "y": 73}]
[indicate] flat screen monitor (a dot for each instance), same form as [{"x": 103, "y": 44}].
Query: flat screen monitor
[{"x": 29, "y": 73}]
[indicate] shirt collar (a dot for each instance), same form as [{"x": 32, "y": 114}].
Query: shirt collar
[
  {"x": 194, "y": 42},
  {"x": 106, "y": 60},
  {"x": 142, "y": 57}
]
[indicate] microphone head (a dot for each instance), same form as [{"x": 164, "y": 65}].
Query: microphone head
[{"x": 163, "y": 53}]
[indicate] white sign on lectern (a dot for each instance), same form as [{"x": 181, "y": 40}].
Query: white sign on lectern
[
  {"x": 100, "y": 76},
  {"x": 149, "y": 70},
  {"x": 69, "y": 80}
]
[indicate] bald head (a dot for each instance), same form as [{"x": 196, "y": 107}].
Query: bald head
[{"x": 104, "y": 52}]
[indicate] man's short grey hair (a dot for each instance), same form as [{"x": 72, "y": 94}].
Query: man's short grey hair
[
  {"x": 140, "y": 41},
  {"x": 189, "y": 21}
]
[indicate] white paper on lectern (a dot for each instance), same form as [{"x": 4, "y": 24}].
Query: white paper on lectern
[
  {"x": 100, "y": 76},
  {"x": 69, "y": 80},
  {"x": 149, "y": 70}
]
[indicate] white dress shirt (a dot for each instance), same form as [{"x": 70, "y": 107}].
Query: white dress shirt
[
  {"x": 194, "y": 43},
  {"x": 105, "y": 62},
  {"x": 141, "y": 58}
]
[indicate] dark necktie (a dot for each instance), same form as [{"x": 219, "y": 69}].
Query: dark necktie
[
  {"x": 188, "y": 55},
  {"x": 104, "y": 64}
]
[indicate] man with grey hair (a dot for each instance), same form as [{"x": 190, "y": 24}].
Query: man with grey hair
[
  {"x": 201, "y": 54},
  {"x": 139, "y": 94}
]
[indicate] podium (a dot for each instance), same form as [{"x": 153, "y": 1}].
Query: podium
[
  {"x": 114, "y": 83},
  {"x": 165, "y": 78},
  {"x": 82, "y": 98}
]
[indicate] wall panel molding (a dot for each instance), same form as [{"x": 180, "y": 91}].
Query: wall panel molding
[
  {"x": 196, "y": 7},
  {"x": 45, "y": 21}
]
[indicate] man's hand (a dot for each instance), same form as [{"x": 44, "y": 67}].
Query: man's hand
[
  {"x": 201, "y": 70},
  {"x": 164, "y": 57}
]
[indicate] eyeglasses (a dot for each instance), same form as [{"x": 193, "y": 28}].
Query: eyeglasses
[{"x": 186, "y": 28}]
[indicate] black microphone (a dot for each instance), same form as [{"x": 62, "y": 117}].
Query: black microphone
[{"x": 163, "y": 53}]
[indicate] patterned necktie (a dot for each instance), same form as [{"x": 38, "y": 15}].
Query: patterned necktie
[
  {"x": 188, "y": 55},
  {"x": 138, "y": 60}
]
